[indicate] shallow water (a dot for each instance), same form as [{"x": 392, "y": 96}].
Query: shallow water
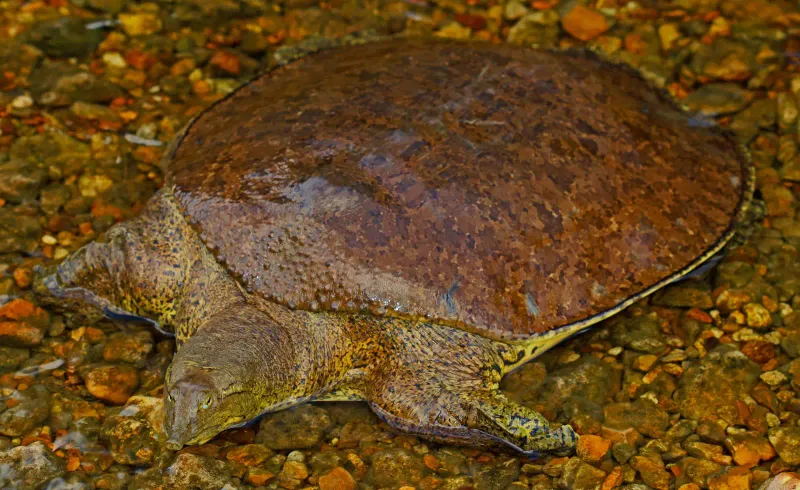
[{"x": 696, "y": 387}]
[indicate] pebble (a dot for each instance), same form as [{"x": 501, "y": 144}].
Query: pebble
[
  {"x": 337, "y": 479},
  {"x": 140, "y": 24},
  {"x": 297, "y": 428},
  {"x": 538, "y": 29},
  {"x": 642, "y": 415},
  {"x": 717, "y": 99},
  {"x": 396, "y": 467},
  {"x": 652, "y": 471},
  {"x": 129, "y": 348},
  {"x": 113, "y": 383},
  {"x": 699, "y": 392},
  {"x": 250, "y": 454},
  {"x": 697, "y": 470},
  {"x": 783, "y": 481},
  {"x": 732, "y": 479},
  {"x": 773, "y": 378},
  {"x": 584, "y": 23},
  {"x": 749, "y": 448},
  {"x": 592, "y": 449},
  {"x": 757, "y": 315},
  {"x": 786, "y": 441},
  {"x": 22, "y": 324},
  {"x": 29, "y": 467},
  {"x": 195, "y": 472},
  {"x": 514, "y": 10},
  {"x": 30, "y": 410},
  {"x": 134, "y": 434},
  {"x": 578, "y": 475}
]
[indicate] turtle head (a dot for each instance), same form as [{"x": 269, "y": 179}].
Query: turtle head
[
  {"x": 202, "y": 401},
  {"x": 236, "y": 366}
]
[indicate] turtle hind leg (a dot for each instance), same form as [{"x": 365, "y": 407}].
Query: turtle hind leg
[
  {"x": 520, "y": 426},
  {"x": 442, "y": 384}
]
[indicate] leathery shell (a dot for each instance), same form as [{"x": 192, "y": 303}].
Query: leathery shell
[{"x": 504, "y": 190}]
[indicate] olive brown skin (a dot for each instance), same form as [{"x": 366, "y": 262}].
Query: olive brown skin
[{"x": 404, "y": 223}]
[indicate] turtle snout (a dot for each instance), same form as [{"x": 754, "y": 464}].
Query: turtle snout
[{"x": 177, "y": 421}]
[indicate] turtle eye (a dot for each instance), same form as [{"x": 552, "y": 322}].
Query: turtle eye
[
  {"x": 207, "y": 403},
  {"x": 171, "y": 398}
]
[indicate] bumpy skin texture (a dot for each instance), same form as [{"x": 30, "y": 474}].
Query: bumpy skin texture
[
  {"x": 502, "y": 190},
  {"x": 468, "y": 191}
]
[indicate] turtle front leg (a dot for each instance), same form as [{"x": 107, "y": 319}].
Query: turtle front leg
[{"x": 442, "y": 384}]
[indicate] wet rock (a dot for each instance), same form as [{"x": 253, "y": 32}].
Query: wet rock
[
  {"x": 132, "y": 348},
  {"x": 514, "y": 10},
  {"x": 30, "y": 410},
  {"x": 652, "y": 470},
  {"x": 791, "y": 169},
  {"x": 787, "y": 110},
  {"x": 717, "y": 99},
  {"x": 760, "y": 114},
  {"x": 786, "y": 441},
  {"x": 54, "y": 149},
  {"x": 584, "y": 23},
  {"x": 64, "y": 37},
  {"x": 60, "y": 84},
  {"x": 700, "y": 393},
  {"x": 249, "y": 455},
  {"x": 22, "y": 324},
  {"x": 70, "y": 482},
  {"x": 578, "y": 475},
  {"x": 301, "y": 427},
  {"x": 523, "y": 385},
  {"x": 707, "y": 451},
  {"x": 18, "y": 232},
  {"x": 592, "y": 449},
  {"x": 791, "y": 344},
  {"x": 94, "y": 112},
  {"x": 642, "y": 415},
  {"x": 396, "y": 467},
  {"x": 622, "y": 452},
  {"x": 757, "y": 315},
  {"x": 135, "y": 434},
  {"x": 112, "y": 383},
  {"x": 779, "y": 200},
  {"x": 293, "y": 474},
  {"x": 537, "y": 29},
  {"x": 697, "y": 471},
  {"x": 732, "y": 479},
  {"x": 588, "y": 379},
  {"x": 260, "y": 477},
  {"x": 640, "y": 333},
  {"x": 724, "y": 59},
  {"x": 749, "y": 448},
  {"x": 12, "y": 357},
  {"x": 140, "y": 24},
  {"x": 685, "y": 294},
  {"x": 110, "y": 6},
  {"x": 337, "y": 479},
  {"x": 20, "y": 181},
  {"x": 195, "y": 472},
  {"x": 783, "y": 481},
  {"x": 497, "y": 476},
  {"x": 53, "y": 197},
  {"x": 29, "y": 467}
]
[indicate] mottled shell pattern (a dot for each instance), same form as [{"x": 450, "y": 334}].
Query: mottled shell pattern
[{"x": 503, "y": 190}]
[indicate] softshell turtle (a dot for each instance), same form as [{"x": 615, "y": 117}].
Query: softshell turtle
[{"x": 403, "y": 223}]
